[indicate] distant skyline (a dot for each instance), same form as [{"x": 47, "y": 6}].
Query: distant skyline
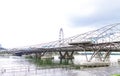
[{"x": 30, "y": 22}]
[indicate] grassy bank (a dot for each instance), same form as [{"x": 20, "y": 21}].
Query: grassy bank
[{"x": 116, "y": 75}]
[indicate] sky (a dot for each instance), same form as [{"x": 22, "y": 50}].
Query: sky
[{"x": 30, "y": 22}]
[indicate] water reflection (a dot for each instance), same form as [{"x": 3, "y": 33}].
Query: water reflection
[
  {"x": 66, "y": 61},
  {"x": 19, "y": 66}
]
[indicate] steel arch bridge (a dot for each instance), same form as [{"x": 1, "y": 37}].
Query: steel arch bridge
[{"x": 105, "y": 39}]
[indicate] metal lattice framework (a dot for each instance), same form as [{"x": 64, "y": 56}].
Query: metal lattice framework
[
  {"x": 105, "y": 39},
  {"x": 109, "y": 33}
]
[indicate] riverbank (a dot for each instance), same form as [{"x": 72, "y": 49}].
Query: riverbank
[
  {"x": 64, "y": 63},
  {"x": 116, "y": 75},
  {"x": 20, "y": 66},
  {"x": 51, "y": 63}
]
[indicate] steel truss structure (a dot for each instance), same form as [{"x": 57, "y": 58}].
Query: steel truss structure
[{"x": 101, "y": 42}]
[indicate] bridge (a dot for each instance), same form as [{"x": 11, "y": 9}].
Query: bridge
[{"x": 100, "y": 42}]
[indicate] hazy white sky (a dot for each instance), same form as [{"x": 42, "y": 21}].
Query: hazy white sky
[{"x": 29, "y": 22}]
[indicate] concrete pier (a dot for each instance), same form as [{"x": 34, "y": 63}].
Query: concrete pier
[
  {"x": 94, "y": 64},
  {"x": 46, "y": 57},
  {"x": 118, "y": 60}
]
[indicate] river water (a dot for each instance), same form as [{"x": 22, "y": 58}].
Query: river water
[{"x": 19, "y": 66}]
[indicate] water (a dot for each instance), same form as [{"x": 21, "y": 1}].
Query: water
[{"x": 19, "y": 66}]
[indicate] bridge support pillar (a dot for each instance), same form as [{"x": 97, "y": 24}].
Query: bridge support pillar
[
  {"x": 39, "y": 55},
  {"x": 66, "y": 55},
  {"x": 66, "y": 61},
  {"x": 98, "y": 57},
  {"x": 107, "y": 56},
  {"x": 101, "y": 56}
]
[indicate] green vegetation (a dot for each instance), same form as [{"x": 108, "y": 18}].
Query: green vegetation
[
  {"x": 50, "y": 63},
  {"x": 40, "y": 62},
  {"x": 116, "y": 75}
]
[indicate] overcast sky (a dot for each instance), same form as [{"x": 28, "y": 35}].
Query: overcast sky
[{"x": 29, "y": 22}]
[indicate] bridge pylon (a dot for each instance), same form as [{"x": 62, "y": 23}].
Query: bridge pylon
[{"x": 101, "y": 52}]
